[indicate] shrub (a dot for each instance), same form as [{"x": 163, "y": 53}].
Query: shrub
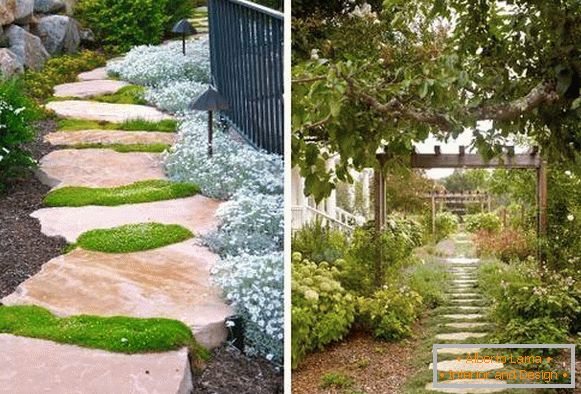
[
  {"x": 121, "y": 24},
  {"x": 249, "y": 223},
  {"x": 428, "y": 281},
  {"x": 391, "y": 311},
  {"x": 506, "y": 245},
  {"x": 255, "y": 286},
  {"x": 160, "y": 65},
  {"x": 446, "y": 225},
  {"x": 322, "y": 311},
  {"x": 234, "y": 166},
  {"x": 178, "y": 10},
  {"x": 318, "y": 243},
  {"x": 483, "y": 221},
  {"x": 59, "y": 70},
  {"x": 16, "y": 114}
]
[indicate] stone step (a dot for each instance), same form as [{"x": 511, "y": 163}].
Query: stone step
[
  {"x": 466, "y": 325},
  {"x": 88, "y": 89},
  {"x": 464, "y": 281},
  {"x": 463, "y": 365},
  {"x": 109, "y": 137},
  {"x": 429, "y": 387},
  {"x": 460, "y": 336},
  {"x": 43, "y": 366},
  {"x": 463, "y": 295},
  {"x": 468, "y": 316},
  {"x": 196, "y": 213},
  {"x": 459, "y": 350},
  {"x": 466, "y": 300},
  {"x": 98, "y": 168},
  {"x": 105, "y": 112},
  {"x": 171, "y": 282},
  {"x": 462, "y": 260},
  {"x": 96, "y": 74}
]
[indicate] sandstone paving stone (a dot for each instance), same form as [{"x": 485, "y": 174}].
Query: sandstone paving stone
[
  {"x": 195, "y": 213},
  {"x": 171, "y": 282},
  {"x": 474, "y": 390},
  {"x": 109, "y": 137},
  {"x": 32, "y": 365},
  {"x": 468, "y": 316},
  {"x": 459, "y": 350},
  {"x": 469, "y": 308},
  {"x": 463, "y": 295},
  {"x": 87, "y": 89},
  {"x": 466, "y": 325},
  {"x": 106, "y": 112},
  {"x": 465, "y": 300},
  {"x": 462, "y": 260},
  {"x": 98, "y": 168},
  {"x": 460, "y": 336},
  {"x": 96, "y": 74},
  {"x": 464, "y": 281},
  {"x": 463, "y": 365}
]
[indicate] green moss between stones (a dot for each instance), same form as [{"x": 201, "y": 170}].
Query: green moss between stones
[
  {"x": 127, "y": 95},
  {"x": 139, "y": 192},
  {"x": 124, "y": 148},
  {"x": 133, "y": 237},
  {"x": 166, "y": 125},
  {"x": 115, "y": 334}
]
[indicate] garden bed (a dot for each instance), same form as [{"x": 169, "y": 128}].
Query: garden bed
[{"x": 24, "y": 248}]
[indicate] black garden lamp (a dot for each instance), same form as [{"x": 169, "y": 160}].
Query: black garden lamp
[
  {"x": 210, "y": 101},
  {"x": 184, "y": 28}
]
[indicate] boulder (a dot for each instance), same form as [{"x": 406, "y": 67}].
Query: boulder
[
  {"x": 48, "y": 6},
  {"x": 59, "y": 34},
  {"x": 87, "y": 36},
  {"x": 23, "y": 11},
  {"x": 9, "y": 63},
  {"x": 28, "y": 48},
  {"x": 70, "y": 6},
  {"x": 7, "y": 11}
]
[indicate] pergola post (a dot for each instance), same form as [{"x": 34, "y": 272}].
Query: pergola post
[
  {"x": 433, "y": 215},
  {"x": 542, "y": 198},
  {"x": 379, "y": 214}
]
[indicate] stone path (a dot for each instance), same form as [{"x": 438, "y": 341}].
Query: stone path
[
  {"x": 464, "y": 299},
  {"x": 171, "y": 282}
]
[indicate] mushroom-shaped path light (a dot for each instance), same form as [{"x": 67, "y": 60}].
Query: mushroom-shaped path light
[
  {"x": 184, "y": 28},
  {"x": 210, "y": 101}
]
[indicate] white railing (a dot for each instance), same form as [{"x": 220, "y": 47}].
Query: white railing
[{"x": 302, "y": 215}]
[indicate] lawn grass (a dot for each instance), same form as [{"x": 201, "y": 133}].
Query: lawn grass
[
  {"x": 166, "y": 125},
  {"x": 124, "y": 148},
  {"x": 131, "y": 94},
  {"x": 133, "y": 237},
  {"x": 115, "y": 334},
  {"x": 139, "y": 192}
]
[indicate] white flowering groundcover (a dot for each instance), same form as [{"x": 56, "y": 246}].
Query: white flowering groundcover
[{"x": 250, "y": 237}]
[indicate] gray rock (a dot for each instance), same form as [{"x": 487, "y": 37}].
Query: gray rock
[
  {"x": 7, "y": 11},
  {"x": 9, "y": 63},
  {"x": 87, "y": 35},
  {"x": 23, "y": 11},
  {"x": 59, "y": 34},
  {"x": 70, "y": 6},
  {"x": 48, "y": 6},
  {"x": 28, "y": 48}
]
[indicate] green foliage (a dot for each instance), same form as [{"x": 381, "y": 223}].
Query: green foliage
[
  {"x": 127, "y": 95},
  {"x": 336, "y": 380},
  {"x": 531, "y": 303},
  {"x": 322, "y": 311},
  {"x": 391, "y": 311},
  {"x": 446, "y": 225},
  {"x": 428, "y": 281},
  {"x": 178, "y": 10},
  {"x": 58, "y": 70},
  {"x": 114, "y": 334},
  {"x": 318, "y": 243},
  {"x": 124, "y": 148},
  {"x": 16, "y": 115},
  {"x": 165, "y": 126},
  {"x": 488, "y": 221},
  {"x": 133, "y": 237},
  {"x": 505, "y": 245},
  {"x": 139, "y": 192},
  {"x": 462, "y": 181},
  {"x": 122, "y": 24}
]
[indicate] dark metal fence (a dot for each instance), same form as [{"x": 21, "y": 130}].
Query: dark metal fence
[{"x": 246, "y": 45}]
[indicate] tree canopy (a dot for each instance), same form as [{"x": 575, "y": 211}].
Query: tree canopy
[{"x": 389, "y": 75}]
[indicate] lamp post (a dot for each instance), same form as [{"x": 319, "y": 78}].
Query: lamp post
[
  {"x": 184, "y": 28},
  {"x": 210, "y": 101}
]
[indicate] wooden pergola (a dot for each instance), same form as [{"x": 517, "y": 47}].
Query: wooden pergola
[{"x": 457, "y": 198}]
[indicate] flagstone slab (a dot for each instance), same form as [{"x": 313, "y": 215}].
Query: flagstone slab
[
  {"x": 466, "y": 325},
  {"x": 464, "y": 281},
  {"x": 468, "y": 316},
  {"x": 170, "y": 282},
  {"x": 462, "y": 260},
  {"x": 32, "y": 365},
  {"x": 88, "y": 89},
  {"x": 459, "y": 350},
  {"x": 469, "y": 308},
  {"x": 98, "y": 168},
  {"x": 465, "y": 366},
  {"x": 460, "y": 336},
  {"x": 105, "y": 112},
  {"x": 195, "y": 213},
  {"x": 109, "y": 137},
  {"x": 473, "y": 390},
  {"x": 96, "y": 74},
  {"x": 465, "y": 300},
  {"x": 463, "y": 295}
]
